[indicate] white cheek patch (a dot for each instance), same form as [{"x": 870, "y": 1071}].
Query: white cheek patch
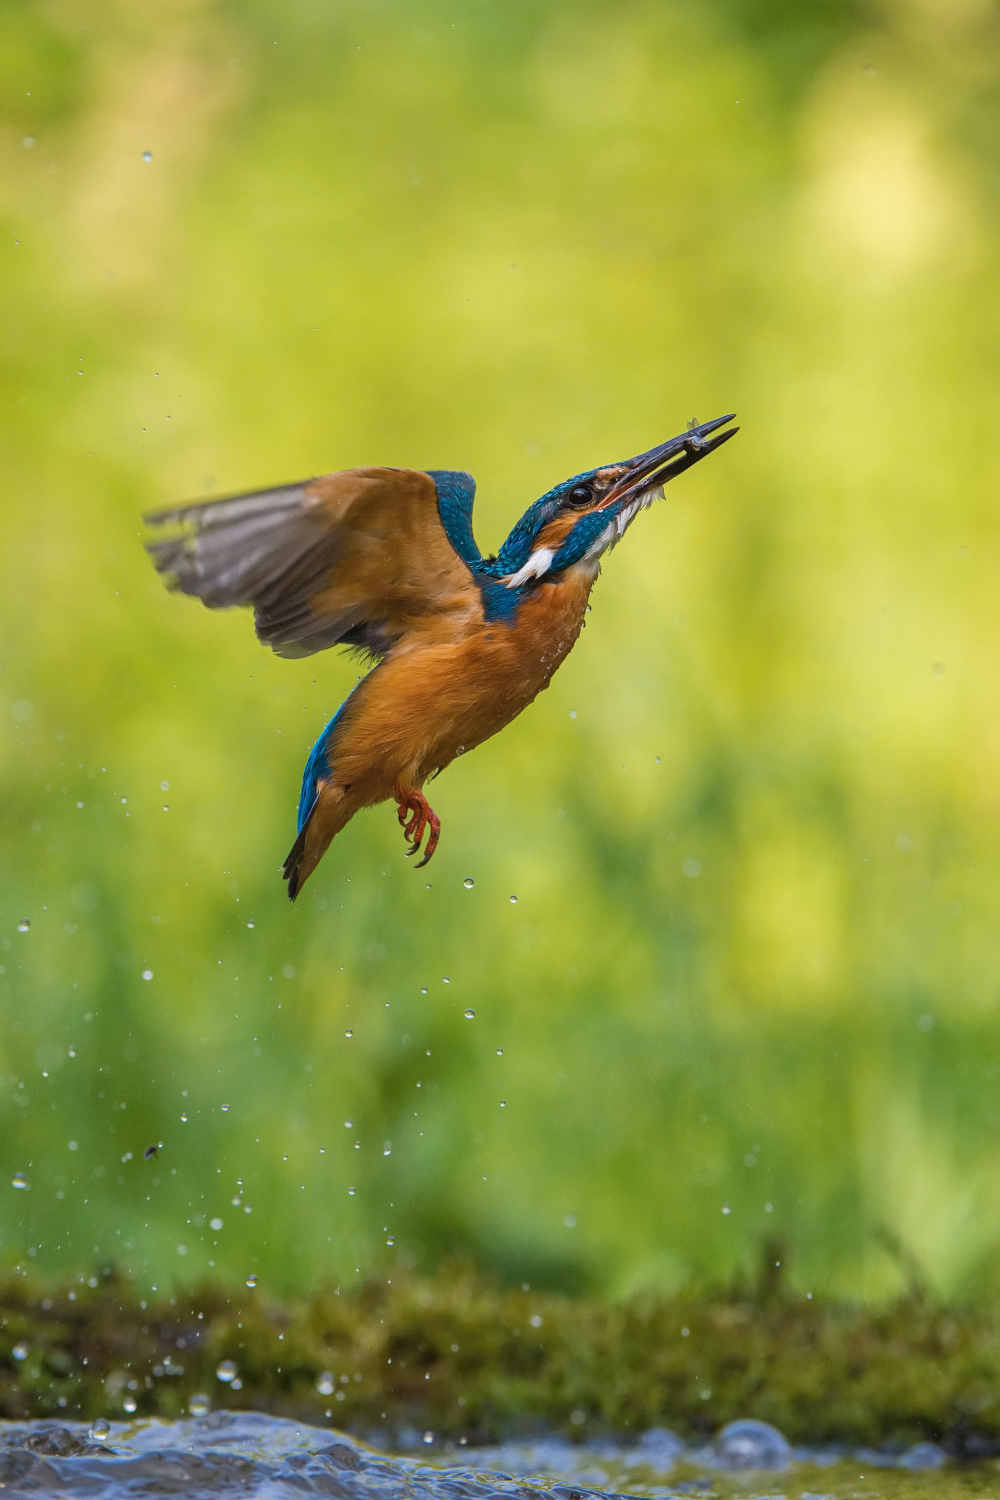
[{"x": 537, "y": 566}]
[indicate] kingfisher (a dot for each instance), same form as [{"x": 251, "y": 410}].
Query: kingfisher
[{"x": 384, "y": 561}]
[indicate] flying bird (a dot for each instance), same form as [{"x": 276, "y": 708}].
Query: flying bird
[{"x": 384, "y": 561}]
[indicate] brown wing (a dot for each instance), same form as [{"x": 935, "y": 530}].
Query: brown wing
[{"x": 360, "y": 557}]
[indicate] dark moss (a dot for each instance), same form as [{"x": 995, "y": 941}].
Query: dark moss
[{"x": 463, "y": 1356}]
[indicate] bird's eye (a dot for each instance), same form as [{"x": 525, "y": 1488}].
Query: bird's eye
[{"x": 580, "y": 495}]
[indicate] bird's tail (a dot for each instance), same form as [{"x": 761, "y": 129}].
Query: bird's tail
[
  {"x": 291, "y": 870},
  {"x": 331, "y": 811}
]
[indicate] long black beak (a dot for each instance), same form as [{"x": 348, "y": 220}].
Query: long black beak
[{"x": 671, "y": 458}]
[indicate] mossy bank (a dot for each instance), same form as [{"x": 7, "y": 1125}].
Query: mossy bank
[{"x": 460, "y": 1356}]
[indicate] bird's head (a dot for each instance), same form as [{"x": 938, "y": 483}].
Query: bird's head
[{"x": 580, "y": 519}]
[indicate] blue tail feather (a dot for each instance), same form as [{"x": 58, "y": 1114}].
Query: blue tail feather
[{"x": 318, "y": 768}]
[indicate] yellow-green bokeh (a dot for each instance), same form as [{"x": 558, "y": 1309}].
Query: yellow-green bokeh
[{"x": 752, "y": 829}]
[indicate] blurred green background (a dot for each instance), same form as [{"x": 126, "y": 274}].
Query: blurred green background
[{"x": 749, "y": 987}]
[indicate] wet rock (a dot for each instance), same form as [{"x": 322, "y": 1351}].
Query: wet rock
[
  {"x": 55, "y": 1439},
  {"x": 749, "y": 1444},
  {"x": 341, "y": 1455}
]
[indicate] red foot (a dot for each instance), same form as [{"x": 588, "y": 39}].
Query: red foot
[{"x": 423, "y": 816}]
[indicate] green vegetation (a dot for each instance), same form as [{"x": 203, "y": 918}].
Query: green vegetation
[{"x": 462, "y": 1357}]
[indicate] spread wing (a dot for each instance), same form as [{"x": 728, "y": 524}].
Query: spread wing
[{"x": 360, "y": 557}]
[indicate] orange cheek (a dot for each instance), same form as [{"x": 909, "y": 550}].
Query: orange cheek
[{"x": 555, "y": 533}]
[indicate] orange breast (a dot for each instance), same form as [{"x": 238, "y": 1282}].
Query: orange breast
[{"x": 441, "y": 697}]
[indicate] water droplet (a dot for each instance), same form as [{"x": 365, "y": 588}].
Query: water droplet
[
  {"x": 199, "y": 1406},
  {"x": 390, "y": 1240},
  {"x": 387, "y": 1149},
  {"x": 20, "y": 1351},
  {"x": 147, "y": 973},
  {"x": 251, "y": 924},
  {"x": 184, "y": 1119},
  {"x": 570, "y": 1221},
  {"x": 513, "y": 900},
  {"x": 71, "y": 1051},
  {"x": 129, "y": 1404},
  {"x": 24, "y": 925},
  {"x": 468, "y": 882},
  {"x": 348, "y": 1032},
  {"x": 423, "y": 989},
  {"x": 99, "y": 1429},
  {"x": 350, "y": 1192},
  {"x": 428, "y": 1437},
  {"x": 164, "y": 786},
  {"x": 536, "y": 1320},
  {"x": 224, "y": 1108},
  {"x": 19, "y": 1180},
  {"x": 147, "y": 156},
  {"x": 503, "y": 1104},
  {"x": 325, "y": 1383},
  {"x": 470, "y": 1015},
  {"x": 499, "y": 1052},
  {"x": 236, "y": 1201},
  {"x": 226, "y": 1371},
  {"x": 251, "y": 1280},
  {"x": 726, "y": 1209},
  {"x": 215, "y": 1224}
]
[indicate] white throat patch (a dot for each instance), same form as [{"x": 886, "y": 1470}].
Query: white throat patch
[{"x": 616, "y": 529}]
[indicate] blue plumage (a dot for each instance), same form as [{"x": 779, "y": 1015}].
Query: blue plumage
[
  {"x": 583, "y": 536},
  {"x": 456, "y": 491},
  {"x": 317, "y": 769}
]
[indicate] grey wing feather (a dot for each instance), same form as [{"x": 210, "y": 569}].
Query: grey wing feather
[{"x": 270, "y": 550}]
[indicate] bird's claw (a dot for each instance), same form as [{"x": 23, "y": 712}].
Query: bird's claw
[{"x": 422, "y": 817}]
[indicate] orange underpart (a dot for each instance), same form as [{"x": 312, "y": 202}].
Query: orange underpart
[{"x": 422, "y": 817}]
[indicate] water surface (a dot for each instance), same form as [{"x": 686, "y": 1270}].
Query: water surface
[{"x": 253, "y": 1454}]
